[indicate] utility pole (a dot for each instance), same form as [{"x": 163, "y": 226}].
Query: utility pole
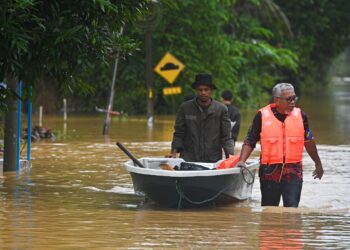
[
  {"x": 149, "y": 72},
  {"x": 147, "y": 23},
  {"x": 107, "y": 120}
]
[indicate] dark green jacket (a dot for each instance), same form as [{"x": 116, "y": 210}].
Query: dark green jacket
[{"x": 201, "y": 135}]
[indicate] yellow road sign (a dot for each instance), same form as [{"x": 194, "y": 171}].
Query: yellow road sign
[
  {"x": 172, "y": 91},
  {"x": 169, "y": 67}
]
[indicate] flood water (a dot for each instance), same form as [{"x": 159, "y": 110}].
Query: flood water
[{"x": 77, "y": 195}]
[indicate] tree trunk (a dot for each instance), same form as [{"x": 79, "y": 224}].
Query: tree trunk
[{"x": 10, "y": 129}]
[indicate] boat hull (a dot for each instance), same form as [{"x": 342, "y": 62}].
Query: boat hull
[{"x": 179, "y": 189}]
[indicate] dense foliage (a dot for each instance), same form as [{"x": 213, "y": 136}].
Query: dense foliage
[
  {"x": 60, "y": 40},
  {"x": 248, "y": 46},
  {"x": 223, "y": 38}
]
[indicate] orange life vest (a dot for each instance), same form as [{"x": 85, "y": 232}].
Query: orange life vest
[{"x": 281, "y": 142}]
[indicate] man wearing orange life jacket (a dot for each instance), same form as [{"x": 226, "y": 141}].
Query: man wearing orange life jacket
[{"x": 283, "y": 131}]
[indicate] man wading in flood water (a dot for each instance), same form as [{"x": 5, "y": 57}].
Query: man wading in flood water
[
  {"x": 283, "y": 131},
  {"x": 202, "y": 126}
]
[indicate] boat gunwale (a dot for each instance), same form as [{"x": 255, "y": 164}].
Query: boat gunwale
[{"x": 197, "y": 173}]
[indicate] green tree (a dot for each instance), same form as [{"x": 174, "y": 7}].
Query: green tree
[{"x": 56, "y": 39}]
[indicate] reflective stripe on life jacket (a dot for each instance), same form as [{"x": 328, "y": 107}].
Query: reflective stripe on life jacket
[{"x": 281, "y": 142}]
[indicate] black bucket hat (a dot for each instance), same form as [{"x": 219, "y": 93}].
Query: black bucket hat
[{"x": 203, "y": 79}]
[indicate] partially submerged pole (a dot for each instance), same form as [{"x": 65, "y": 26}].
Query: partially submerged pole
[
  {"x": 149, "y": 24},
  {"x": 19, "y": 112},
  {"x": 64, "y": 109},
  {"x": 41, "y": 116},
  {"x": 64, "y": 117},
  {"x": 29, "y": 133},
  {"x": 149, "y": 73},
  {"x": 107, "y": 120}
]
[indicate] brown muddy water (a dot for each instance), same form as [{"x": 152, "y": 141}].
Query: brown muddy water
[{"x": 77, "y": 195}]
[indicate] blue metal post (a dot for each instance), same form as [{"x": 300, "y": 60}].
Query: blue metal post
[
  {"x": 19, "y": 111},
  {"x": 29, "y": 138}
]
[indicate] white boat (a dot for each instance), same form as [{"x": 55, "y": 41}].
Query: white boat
[{"x": 190, "y": 188}]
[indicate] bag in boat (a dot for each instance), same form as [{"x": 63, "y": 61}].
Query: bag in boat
[{"x": 186, "y": 166}]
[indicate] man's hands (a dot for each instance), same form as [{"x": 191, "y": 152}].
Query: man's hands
[
  {"x": 240, "y": 164},
  {"x": 311, "y": 149},
  {"x": 172, "y": 154},
  {"x": 318, "y": 172}
]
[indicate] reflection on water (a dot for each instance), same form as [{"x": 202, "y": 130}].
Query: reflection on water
[
  {"x": 276, "y": 226},
  {"x": 77, "y": 195}
]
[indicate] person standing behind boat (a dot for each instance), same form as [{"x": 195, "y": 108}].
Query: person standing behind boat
[
  {"x": 233, "y": 113},
  {"x": 283, "y": 131},
  {"x": 202, "y": 126}
]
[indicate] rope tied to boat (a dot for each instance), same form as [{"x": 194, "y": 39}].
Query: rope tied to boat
[
  {"x": 184, "y": 197},
  {"x": 244, "y": 168}
]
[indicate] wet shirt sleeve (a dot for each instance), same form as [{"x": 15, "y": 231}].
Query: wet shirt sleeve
[{"x": 308, "y": 133}]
